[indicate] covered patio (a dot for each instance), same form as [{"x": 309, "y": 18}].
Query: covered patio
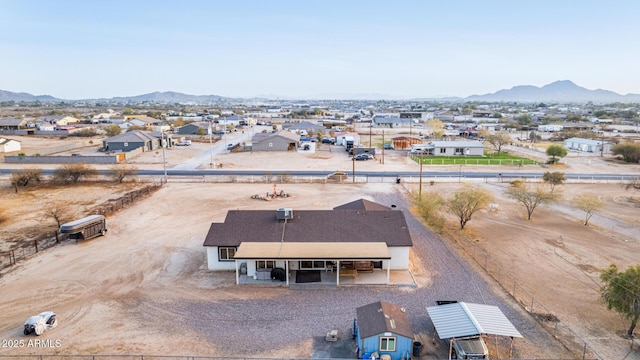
[{"x": 336, "y": 263}]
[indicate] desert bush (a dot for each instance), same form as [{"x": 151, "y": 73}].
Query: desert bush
[
  {"x": 88, "y": 132},
  {"x": 25, "y": 176},
  {"x": 429, "y": 207},
  {"x": 72, "y": 173}
]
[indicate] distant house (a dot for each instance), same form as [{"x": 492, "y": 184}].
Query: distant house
[
  {"x": 9, "y": 145},
  {"x": 193, "y": 128},
  {"x": 136, "y": 139},
  {"x": 452, "y": 148},
  {"x": 303, "y": 128},
  {"x": 279, "y": 141},
  {"x": 58, "y": 120},
  {"x": 12, "y": 124},
  {"x": 388, "y": 122},
  {"x": 587, "y": 145},
  {"x": 383, "y": 328}
]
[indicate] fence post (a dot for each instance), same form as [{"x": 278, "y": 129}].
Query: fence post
[
  {"x": 35, "y": 243},
  {"x": 531, "y": 311}
]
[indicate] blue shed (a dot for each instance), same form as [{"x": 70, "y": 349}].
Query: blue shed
[{"x": 383, "y": 328}]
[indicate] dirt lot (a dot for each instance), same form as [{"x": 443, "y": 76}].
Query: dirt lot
[{"x": 154, "y": 251}]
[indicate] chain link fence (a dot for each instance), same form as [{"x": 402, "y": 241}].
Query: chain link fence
[{"x": 527, "y": 300}]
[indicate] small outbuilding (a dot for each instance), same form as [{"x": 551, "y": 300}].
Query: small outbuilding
[
  {"x": 404, "y": 142},
  {"x": 383, "y": 328},
  {"x": 587, "y": 145},
  {"x": 9, "y": 145}
]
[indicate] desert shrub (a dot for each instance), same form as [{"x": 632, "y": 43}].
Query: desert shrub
[
  {"x": 429, "y": 207},
  {"x": 72, "y": 173},
  {"x": 88, "y": 132}
]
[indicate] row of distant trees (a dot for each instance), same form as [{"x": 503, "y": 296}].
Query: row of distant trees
[
  {"x": 620, "y": 290},
  {"x": 69, "y": 174}
]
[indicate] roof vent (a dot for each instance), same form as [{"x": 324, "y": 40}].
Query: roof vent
[{"x": 284, "y": 214}]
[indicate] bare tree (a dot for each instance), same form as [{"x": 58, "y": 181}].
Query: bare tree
[
  {"x": 60, "y": 212},
  {"x": 530, "y": 198},
  {"x": 588, "y": 202},
  {"x": 467, "y": 201},
  {"x": 24, "y": 177},
  {"x": 73, "y": 172},
  {"x": 498, "y": 140},
  {"x": 553, "y": 178},
  {"x": 119, "y": 172},
  {"x": 633, "y": 184}
]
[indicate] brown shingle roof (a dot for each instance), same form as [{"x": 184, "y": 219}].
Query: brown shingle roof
[
  {"x": 362, "y": 204},
  {"x": 381, "y": 317},
  {"x": 311, "y": 226}
]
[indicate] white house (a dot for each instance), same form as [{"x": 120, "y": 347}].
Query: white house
[
  {"x": 362, "y": 236},
  {"x": 587, "y": 145},
  {"x": 449, "y": 148},
  {"x": 9, "y": 145}
]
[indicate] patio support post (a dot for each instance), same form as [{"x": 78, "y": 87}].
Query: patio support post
[
  {"x": 286, "y": 269},
  {"x": 338, "y": 273},
  {"x": 388, "y": 271},
  {"x": 237, "y": 273}
]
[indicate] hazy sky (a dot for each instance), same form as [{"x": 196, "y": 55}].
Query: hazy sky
[{"x": 315, "y": 49}]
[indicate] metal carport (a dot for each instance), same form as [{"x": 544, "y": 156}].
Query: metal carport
[{"x": 462, "y": 320}]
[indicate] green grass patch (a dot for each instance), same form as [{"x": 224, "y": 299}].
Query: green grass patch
[{"x": 487, "y": 159}]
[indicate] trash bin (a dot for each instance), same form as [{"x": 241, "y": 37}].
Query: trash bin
[{"x": 417, "y": 348}]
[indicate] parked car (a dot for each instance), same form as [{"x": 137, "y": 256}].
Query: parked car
[
  {"x": 363, "y": 156},
  {"x": 328, "y": 141},
  {"x": 388, "y": 147},
  {"x": 183, "y": 143},
  {"x": 473, "y": 348},
  {"x": 40, "y": 323},
  {"x": 338, "y": 175}
]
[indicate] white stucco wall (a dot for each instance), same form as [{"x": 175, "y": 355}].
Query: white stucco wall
[
  {"x": 399, "y": 257},
  {"x": 214, "y": 264}
]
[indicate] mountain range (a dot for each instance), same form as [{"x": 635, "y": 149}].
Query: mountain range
[{"x": 564, "y": 91}]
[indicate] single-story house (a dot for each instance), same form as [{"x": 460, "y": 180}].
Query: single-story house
[
  {"x": 358, "y": 236},
  {"x": 9, "y": 145},
  {"x": 389, "y": 122},
  {"x": 453, "y": 148},
  {"x": 279, "y": 141},
  {"x": 12, "y": 124},
  {"x": 587, "y": 145},
  {"x": 304, "y": 128},
  {"x": 193, "y": 128},
  {"x": 404, "y": 142},
  {"x": 135, "y": 139},
  {"x": 383, "y": 328}
]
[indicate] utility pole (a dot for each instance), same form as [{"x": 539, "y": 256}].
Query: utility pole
[
  {"x": 164, "y": 160},
  {"x": 420, "y": 188},
  {"x": 353, "y": 169},
  {"x": 210, "y": 142},
  {"x": 382, "y": 147}
]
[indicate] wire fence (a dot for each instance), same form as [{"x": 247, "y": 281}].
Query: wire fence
[
  {"x": 45, "y": 241},
  {"x": 527, "y": 300}
]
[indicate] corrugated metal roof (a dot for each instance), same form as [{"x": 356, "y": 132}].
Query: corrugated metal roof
[{"x": 463, "y": 319}]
